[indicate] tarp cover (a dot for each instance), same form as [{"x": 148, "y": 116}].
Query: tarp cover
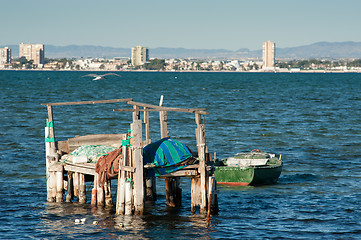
[{"x": 166, "y": 154}]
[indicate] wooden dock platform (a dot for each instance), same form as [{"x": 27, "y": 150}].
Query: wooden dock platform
[{"x": 66, "y": 175}]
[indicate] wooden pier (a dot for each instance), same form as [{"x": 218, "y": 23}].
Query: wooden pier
[{"x": 66, "y": 176}]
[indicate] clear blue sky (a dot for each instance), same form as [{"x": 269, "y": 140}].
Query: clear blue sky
[{"x": 202, "y": 24}]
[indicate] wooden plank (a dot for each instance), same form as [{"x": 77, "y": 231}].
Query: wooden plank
[
  {"x": 77, "y": 169},
  {"x": 88, "y": 102},
  {"x": 127, "y": 168},
  {"x": 161, "y": 108},
  {"x": 81, "y": 165},
  {"x": 95, "y": 139},
  {"x": 186, "y": 110},
  {"x": 181, "y": 173}
]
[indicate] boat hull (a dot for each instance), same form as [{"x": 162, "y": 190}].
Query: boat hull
[{"x": 252, "y": 175}]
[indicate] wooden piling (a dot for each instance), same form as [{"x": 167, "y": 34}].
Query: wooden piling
[
  {"x": 59, "y": 185},
  {"x": 150, "y": 185},
  {"x": 100, "y": 192},
  {"x": 69, "y": 191},
  {"x": 201, "y": 146},
  {"x": 53, "y": 185},
  {"x": 210, "y": 197},
  {"x": 138, "y": 164},
  {"x": 108, "y": 194},
  {"x": 82, "y": 193},
  {"x": 195, "y": 194},
  {"x": 173, "y": 192},
  {"x": 128, "y": 198},
  {"x": 76, "y": 184},
  {"x": 120, "y": 204},
  {"x": 93, "y": 201}
]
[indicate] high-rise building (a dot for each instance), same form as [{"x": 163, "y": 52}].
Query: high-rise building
[
  {"x": 139, "y": 55},
  {"x": 5, "y": 55},
  {"x": 269, "y": 49},
  {"x": 33, "y": 52}
]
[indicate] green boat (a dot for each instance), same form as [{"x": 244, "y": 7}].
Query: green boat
[{"x": 249, "y": 168}]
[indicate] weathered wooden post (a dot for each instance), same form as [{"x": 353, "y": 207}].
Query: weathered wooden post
[
  {"x": 82, "y": 193},
  {"x": 69, "y": 191},
  {"x": 173, "y": 192},
  {"x": 108, "y": 194},
  {"x": 150, "y": 182},
  {"x": 146, "y": 126},
  {"x": 195, "y": 194},
  {"x": 120, "y": 205},
  {"x": 51, "y": 158},
  {"x": 138, "y": 164},
  {"x": 93, "y": 200},
  {"x": 59, "y": 184},
  {"x": 201, "y": 146},
  {"x": 100, "y": 192},
  {"x": 76, "y": 184}
]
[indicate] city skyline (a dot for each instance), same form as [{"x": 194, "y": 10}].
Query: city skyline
[{"x": 191, "y": 24}]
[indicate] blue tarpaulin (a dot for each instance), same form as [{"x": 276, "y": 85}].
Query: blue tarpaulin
[{"x": 165, "y": 154}]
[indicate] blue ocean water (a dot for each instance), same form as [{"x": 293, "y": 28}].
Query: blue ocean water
[{"x": 313, "y": 120}]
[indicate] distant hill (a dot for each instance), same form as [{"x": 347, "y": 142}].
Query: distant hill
[
  {"x": 322, "y": 50},
  {"x": 316, "y": 50}
]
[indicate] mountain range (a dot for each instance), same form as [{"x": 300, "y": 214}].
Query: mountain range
[{"x": 332, "y": 50}]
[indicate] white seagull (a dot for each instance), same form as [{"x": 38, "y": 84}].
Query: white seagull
[{"x": 100, "y": 77}]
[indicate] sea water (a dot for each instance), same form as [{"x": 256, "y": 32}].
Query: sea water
[{"x": 313, "y": 120}]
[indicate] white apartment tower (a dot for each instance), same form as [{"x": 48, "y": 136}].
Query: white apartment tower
[
  {"x": 5, "y": 55},
  {"x": 33, "y": 52},
  {"x": 269, "y": 49},
  {"x": 139, "y": 55}
]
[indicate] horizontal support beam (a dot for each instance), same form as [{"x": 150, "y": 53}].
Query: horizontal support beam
[
  {"x": 194, "y": 166},
  {"x": 84, "y": 170},
  {"x": 181, "y": 173},
  {"x": 88, "y": 102},
  {"x": 127, "y": 168},
  {"x": 152, "y": 108}
]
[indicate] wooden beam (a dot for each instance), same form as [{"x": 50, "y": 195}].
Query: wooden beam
[
  {"x": 78, "y": 169},
  {"x": 88, "y": 102},
  {"x": 127, "y": 168},
  {"x": 189, "y": 110},
  {"x": 181, "y": 173},
  {"x": 161, "y": 108}
]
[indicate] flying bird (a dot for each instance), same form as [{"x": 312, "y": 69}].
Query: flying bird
[{"x": 100, "y": 77}]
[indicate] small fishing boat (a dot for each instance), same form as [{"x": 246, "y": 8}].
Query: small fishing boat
[{"x": 248, "y": 168}]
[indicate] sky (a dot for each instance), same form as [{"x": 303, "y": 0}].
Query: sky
[{"x": 191, "y": 24}]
